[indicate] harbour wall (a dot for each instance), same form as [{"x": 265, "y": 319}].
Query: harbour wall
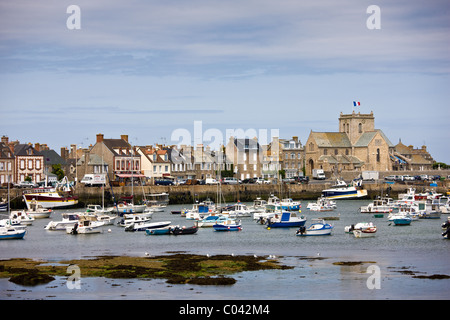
[{"x": 187, "y": 194}]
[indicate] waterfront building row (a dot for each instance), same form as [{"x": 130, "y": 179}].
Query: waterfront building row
[{"x": 356, "y": 146}]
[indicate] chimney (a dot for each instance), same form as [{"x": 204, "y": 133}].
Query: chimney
[
  {"x": 5, "y": 140},
  {"x": 99, "y": 137},
  {"x": 37, "y": 147},
  {"x": 64, "y": 153},
  {"x": 124, "y": 137}
]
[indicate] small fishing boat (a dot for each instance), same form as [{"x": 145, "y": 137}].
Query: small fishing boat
[
  {"x": 287, "y": 219},
  {"x": 37, "y": 211},
  {"x": 318, "y": 228},
  {"x": 401, "y": 220},
  {"x": 85, "y": 226},
  {"x": 362, "y": 229},
  {"x": 259, "y": 206},
  {"x": 199, "y": 210},
  {"x": 129, "y": 219},
  {"x": 129, "y": 208},
  {"x": 237, "y": 210},
  {"x": 158, "y": 231},
  {"x": 142, "y": 226},
  {"x": 68, "y": 220},
  {"x": 290, "y": 205},
  {"x": 210, "y": 220},
  {"x": 183, "y": 230},
  {"x": 377, "y": 206},
  {"x": 228, "y": 225},
  {"x": 9, "y": 232},
  {"x": 22, "y": 216},
  {"x": 322, "y": 204},
  {"x": 98, "y": 209}
]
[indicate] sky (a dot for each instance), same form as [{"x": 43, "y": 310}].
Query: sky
[{"x": 149, "y": 69}]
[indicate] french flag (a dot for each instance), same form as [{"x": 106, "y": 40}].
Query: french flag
[{"x": 356, "y": 103}]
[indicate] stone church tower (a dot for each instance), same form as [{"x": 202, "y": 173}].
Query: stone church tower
[{"x": 355, "y": 124}]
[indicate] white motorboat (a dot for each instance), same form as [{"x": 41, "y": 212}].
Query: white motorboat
[
  {"x": 9, "y": 232},
  {"x": 22, "y": 216},
  {"x": 142, "y": 226},
  {"x": 378, "y": 206},
  {"x": 98, "y": 209},
  {"x": 210, "y": 220},
  {"x": 37, "y": 211},
  {"x": 199, "y": 210},
  {"x": 237, "y": 210},
  {"x": 68, "y": 220},
  {"x": 127, "y": 208},
  {"x": 318, "y": 228},
  {"x": 290, "y": 205},
  {"x": 85, "y": 226},
  {"x": 322, "y": 204},
  {"x": 259, "y": 205},
  {"x": 129, "y": 219},
  {"x": 12, "y": 223}
]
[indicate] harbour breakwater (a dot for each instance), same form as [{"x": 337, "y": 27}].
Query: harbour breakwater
[{"x": 188, "y": 194}]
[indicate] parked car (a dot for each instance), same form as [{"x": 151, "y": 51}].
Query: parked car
[
  {"x": 191, "y": 182},
  {"x": 302, "y": 179},
  {"x": 26, "y": 184},
  {"x": 408, "y": 178},
  {"x": 164, "y": 182},
  {"x": 261, "y": 181},
  {"x": 390, "y": 178},
  {"x": 288, "y": 180},
  {"x": 229, "y": 181}
]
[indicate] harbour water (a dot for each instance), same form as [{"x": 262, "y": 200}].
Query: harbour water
[{"x": 407, "y": 259}]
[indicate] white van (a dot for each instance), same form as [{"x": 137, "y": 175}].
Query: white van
[{"x": 211, "y": 181}]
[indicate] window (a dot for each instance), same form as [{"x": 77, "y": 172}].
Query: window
[
  {"x": 335, "y": 152},
  {"x": 30, "y": 164},
  {"x": 360, "y": 128},
  {"x": 38, "y": 164},
  {"x": 378, "y": 155},
  {"x": 311, "y": 146},
  {"x": 154, "y": 168},
  {"x": 22, "y": 165},
  {"x": 117, "y": 164},
  {"x": 166, "y": 168},
  {"x": 346, "y": 152},
  {"x": 325, "y": 152},
  {"x": 2, "y": 164}
]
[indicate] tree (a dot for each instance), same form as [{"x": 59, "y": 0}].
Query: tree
[{"x": 56, "y": 169}]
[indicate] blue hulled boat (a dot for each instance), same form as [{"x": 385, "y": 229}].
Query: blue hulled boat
[
  {"x": 286, "y": 220},
  {"x": 7, "y": 233},
  {"x": 228, "y": 225}
]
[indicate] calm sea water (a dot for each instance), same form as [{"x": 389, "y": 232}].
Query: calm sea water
[{"x": 418, "y": 249}]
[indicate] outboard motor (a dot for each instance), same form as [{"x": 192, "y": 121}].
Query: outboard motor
[{"x": 75, "y": 229}]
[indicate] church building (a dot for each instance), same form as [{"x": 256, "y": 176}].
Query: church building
[{"x": 357, "y": 146}]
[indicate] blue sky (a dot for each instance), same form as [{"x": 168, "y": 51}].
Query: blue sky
[{"x": 147, "y": 68}]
